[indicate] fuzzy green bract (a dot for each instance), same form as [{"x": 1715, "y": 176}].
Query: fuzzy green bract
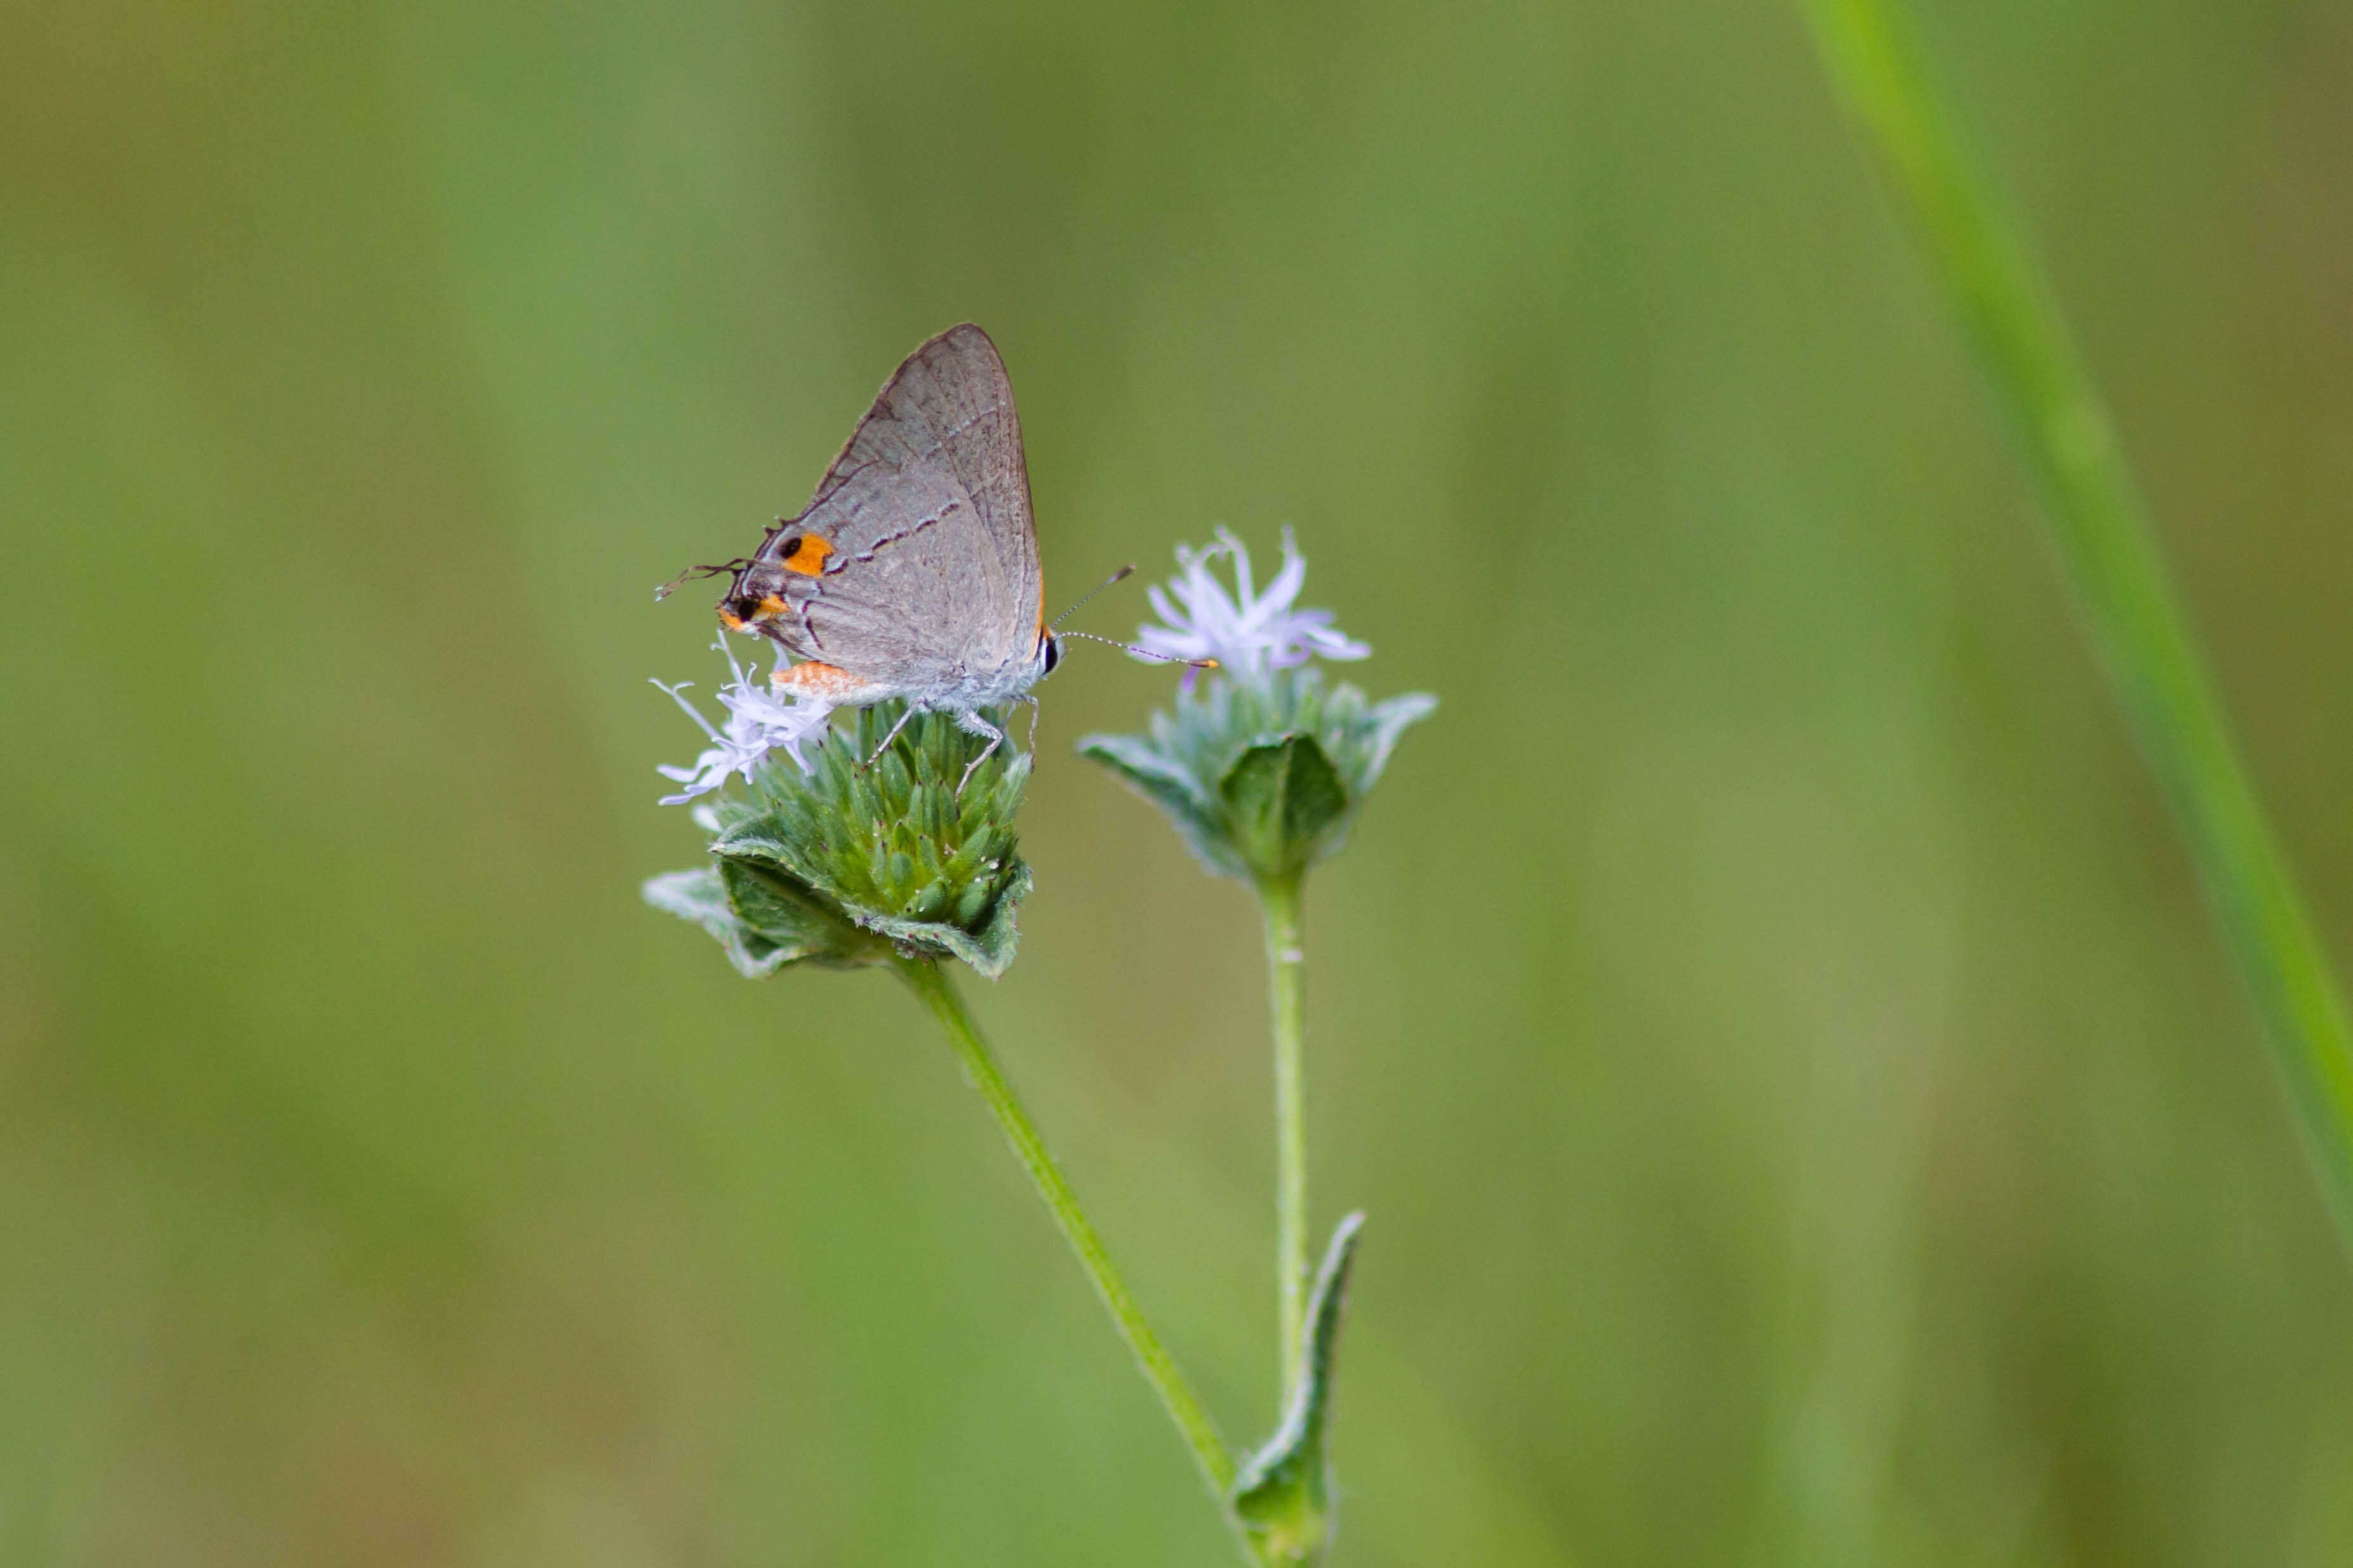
[
  {"x": 1283, "y": 1495},
  {"x": 846, "y": 864},
  {"x": 1262, "y": 776}
]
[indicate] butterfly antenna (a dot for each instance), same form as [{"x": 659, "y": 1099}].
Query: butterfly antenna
[
  {"x": 1145, "y": 652},
  {"x": 726, "y": 566},
  {"x": 1121, "y": 576}
]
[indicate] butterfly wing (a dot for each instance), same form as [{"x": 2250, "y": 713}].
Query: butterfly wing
[{"x": 930, "y": 565}]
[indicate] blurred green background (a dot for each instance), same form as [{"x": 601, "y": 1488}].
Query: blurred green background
[{"x": 1805, "y": 1115}]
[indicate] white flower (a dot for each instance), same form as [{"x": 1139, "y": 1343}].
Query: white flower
[
  {"x": 1247, "y": 632},
  {"x": 759, "y": 723}
]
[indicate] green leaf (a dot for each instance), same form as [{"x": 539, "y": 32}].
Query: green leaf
[
  {"x": 1281, "y": 798},
  {"x": 1172, "y": 787},
  {"x": 1370, "y": 745},
  {"x": 1283, "y": 1495},
  {"x": 761, "y": 921},
  {"x": 698, "y": 895},
  {"x": 760, "y": 840},
  {"x": 795, "y": 920}
]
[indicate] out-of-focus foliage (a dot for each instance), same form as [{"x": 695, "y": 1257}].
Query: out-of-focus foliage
[{"x": 1803, "y": 1110}]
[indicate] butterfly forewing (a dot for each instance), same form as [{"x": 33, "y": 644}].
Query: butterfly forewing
[{"x": 933, "y": 565}]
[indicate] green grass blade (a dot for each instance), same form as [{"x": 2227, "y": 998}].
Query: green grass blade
[{"x": 1875, "y": 54}]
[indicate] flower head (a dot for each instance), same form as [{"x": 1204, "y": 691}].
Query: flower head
[
  {"x": 1264, "y": 768},
  {"x": 1247, "y": 632},
  {"x": 890, "y": 840},
  {"x": 759, "y": 723}
]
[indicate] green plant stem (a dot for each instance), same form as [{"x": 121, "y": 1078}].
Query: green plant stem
[
  {"x": 1874, "y": 53},
  {"x": 938, "y": 992},
  {"x": 1286, "y": 957}
]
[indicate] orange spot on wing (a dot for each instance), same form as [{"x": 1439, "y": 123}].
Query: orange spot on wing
[
  {"x": 824, "y": 680},
  {"x": 771, "y": 607},
  {"x": 807, "y": 557}
]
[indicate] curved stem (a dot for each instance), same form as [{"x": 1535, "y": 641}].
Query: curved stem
[
  {"x": 1872, "y": 52},
  {"x": 1286, "y": 986},
  {"x": 938, "y": 993}
]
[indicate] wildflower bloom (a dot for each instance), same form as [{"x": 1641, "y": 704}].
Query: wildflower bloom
[
  {"x": 1262, "y": 771},
  {"x": 868, "y": 850},
  {"x": 759, "y": 723},
  {"x": 1245, "y": 631}
]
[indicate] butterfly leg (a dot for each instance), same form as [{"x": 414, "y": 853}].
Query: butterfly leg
[
  {"x": 894, "y": 735},
  {"x": 1032, "y": 700},
  {"x": 972, "y": 723}
]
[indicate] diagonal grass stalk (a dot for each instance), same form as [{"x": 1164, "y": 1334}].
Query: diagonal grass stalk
[
  {"x": 938, "y": 993},
  {"x": 1874, "y": 52}
]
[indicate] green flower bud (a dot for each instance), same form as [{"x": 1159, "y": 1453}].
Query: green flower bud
[
  {"x": 847, "y": 864},
  {"x": 1262, "y": 775}
]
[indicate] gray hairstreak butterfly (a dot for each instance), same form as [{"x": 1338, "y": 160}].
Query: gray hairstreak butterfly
[{"x": 913, "y": 571}]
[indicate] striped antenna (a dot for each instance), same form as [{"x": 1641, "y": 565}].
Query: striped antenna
[
  {"x": 724, "y": 568},
  {"x": 1143, "y": 652}
]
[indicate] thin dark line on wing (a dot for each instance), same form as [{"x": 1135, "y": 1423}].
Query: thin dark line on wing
[{"x": 940, "y": 516}]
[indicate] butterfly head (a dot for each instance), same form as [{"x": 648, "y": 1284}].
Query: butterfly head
[{"x": 749, "y": 602}]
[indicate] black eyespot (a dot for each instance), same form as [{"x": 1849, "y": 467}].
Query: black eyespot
[
  {"x": 789, "y": 548},
  {"x": 1053, "y": 654}
]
